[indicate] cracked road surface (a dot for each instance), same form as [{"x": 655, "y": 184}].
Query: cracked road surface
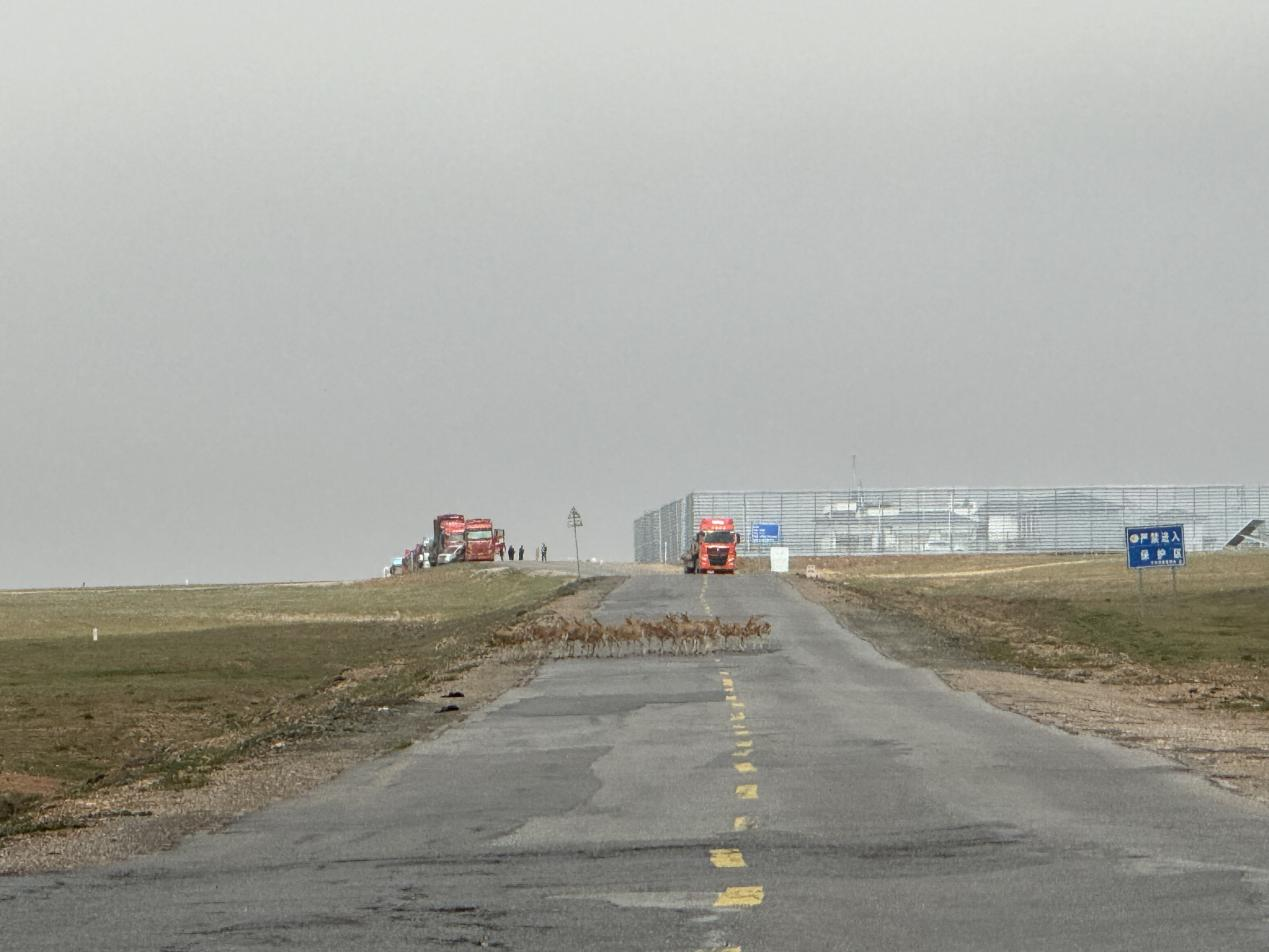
[{"x": 816, "y": 796}]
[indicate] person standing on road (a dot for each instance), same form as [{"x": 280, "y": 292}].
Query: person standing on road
[
  {"x": 521, "y": 553},
  {"x": 543, "y": 551}
]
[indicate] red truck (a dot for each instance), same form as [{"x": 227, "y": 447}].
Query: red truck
[
  {"x": 481, "y": 541},
  {"x": 447, "y": 538},
  {"x": 714, "y": 548}
]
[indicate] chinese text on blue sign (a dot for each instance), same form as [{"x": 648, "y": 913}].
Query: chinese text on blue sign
[
  {"x": 764, "y": 533},
  {"x": 1151, "y": 546}
]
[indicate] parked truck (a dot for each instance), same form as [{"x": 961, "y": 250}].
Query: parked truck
[
  {"x": 714, "y": 548},
  {"x": 448, "y": 544},
  {"x": 481, "y": 542}
]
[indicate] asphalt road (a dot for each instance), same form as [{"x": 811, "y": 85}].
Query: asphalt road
[{"x": 817, "y": 796}]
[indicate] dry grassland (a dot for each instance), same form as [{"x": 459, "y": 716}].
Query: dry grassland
[{"x": 1077, "y": 612}]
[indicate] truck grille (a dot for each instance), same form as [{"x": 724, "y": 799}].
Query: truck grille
[{"x": 717, "y": 556}]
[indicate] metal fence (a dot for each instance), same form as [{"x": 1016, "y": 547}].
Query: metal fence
[{"x": 909, "y": 521}]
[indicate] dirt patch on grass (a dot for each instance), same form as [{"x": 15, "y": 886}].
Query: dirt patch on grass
[
  {"x": 28, "y": 785},
  {"x": 1071, "y": 644}
]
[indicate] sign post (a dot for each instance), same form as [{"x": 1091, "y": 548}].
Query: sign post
[
  {"x": 1155, "y": 547},
  {"x": 575, "y": 520}
]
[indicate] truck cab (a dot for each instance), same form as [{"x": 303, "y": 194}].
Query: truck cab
[
  {"x": 713, "y": 550},
  {"x": 447, "y": 532},
  {"x": 480, "y": 540}
]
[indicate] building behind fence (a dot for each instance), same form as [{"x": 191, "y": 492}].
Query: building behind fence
[{"x": 909, "y": 521}]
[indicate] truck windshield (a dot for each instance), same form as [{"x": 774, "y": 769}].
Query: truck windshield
[
  {"x": 473, "y": 534},
  {"x": 720, "y": 536}
]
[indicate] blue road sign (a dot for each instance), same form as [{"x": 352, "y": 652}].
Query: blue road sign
[
  {"x": 1155, "y": 546},
  {"x": 764, "y": 533}
]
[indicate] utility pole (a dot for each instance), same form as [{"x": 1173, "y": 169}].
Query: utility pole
[{"x": 575, "y": 520}]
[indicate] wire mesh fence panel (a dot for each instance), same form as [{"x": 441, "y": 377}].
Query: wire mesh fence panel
[
  {"x": 935, "y": 520},
  {"x": 660, "y": 534}
]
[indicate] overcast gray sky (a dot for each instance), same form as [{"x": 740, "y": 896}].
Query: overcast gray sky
[{"x": 280, "y": 281}]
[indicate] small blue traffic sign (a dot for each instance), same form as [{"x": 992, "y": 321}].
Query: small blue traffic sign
[
  {"x": 1155, "y": 546},
  {"x": 764, "y": 533}
]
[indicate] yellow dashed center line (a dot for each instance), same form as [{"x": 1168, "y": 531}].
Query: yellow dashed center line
[
  {"x": 726, "y": 859},
  {"x": 739, "y": 897},
  {"x": 736, "y": 897}
]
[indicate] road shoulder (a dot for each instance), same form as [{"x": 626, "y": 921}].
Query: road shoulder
[{"x": 1178, "y": 719}]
